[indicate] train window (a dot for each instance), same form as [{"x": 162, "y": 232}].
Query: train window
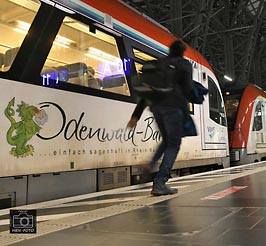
[
  {"x": 138, "y": 67},
  {"x": 142, "y": 56},
  {"x": 15, "y": 20},
  {"x": 85, "y": 58},
  {"x": 217, "y": 109},
  {"x": 257, "y": 122}
]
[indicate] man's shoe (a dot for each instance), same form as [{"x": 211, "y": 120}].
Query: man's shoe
[{"x": 161, "y": 190}]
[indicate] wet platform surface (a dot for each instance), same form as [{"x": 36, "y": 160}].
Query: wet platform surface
[{"x": 225, "y": 207}]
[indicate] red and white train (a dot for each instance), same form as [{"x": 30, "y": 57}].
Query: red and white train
[
  {"x": 247, "y": 126},
  {"x": 66, "y": 97}
]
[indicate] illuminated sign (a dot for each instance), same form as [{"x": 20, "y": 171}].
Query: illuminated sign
[
  {"x": 121, "y": 66},
  {"x": 52, "y": 79}
]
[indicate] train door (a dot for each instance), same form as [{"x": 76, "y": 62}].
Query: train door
[
  {"x": 257, "y": 137},
  {"x": 214, "y": 125},
  {"x": 263, "y": 114}
]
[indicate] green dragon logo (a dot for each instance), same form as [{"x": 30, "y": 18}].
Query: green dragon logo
[{"x": 22, "y": 131}]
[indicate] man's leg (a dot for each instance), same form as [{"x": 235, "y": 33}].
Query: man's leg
[
  {"x": 158, "y": 154},
  {"x": 170, "y": 123}
]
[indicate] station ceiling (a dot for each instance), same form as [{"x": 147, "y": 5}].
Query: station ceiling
[{"x": 230, "y": 34}]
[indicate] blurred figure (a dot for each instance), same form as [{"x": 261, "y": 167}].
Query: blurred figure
[{"x": 169, "y": 112}]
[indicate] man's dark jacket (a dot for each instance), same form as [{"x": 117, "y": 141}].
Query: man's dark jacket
[{"x": 179, "y": 97}]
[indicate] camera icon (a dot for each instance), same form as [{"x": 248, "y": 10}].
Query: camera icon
[{"x": 23, "y": 220}]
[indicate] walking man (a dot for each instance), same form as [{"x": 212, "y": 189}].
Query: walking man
[{"x": 169, "y": 112}]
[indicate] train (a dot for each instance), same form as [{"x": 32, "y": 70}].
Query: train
[
  {"x": 66, "y": 92},
  {"x": 246, "y": 117}
]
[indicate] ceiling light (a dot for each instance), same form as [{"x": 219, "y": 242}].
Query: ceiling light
[
  {"x": 102, "y": 56},
  {"x": 228, "y": 78}
]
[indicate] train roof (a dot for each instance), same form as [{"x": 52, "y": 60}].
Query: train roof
[
  {"x": 250, "y": 93},
  {"x": 122, "y": 18}
]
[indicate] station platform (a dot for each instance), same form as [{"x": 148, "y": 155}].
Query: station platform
[{"x": 218, "y": 208}]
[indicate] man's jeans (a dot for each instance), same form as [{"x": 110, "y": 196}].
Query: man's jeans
[{"x": 170, "y": 124}]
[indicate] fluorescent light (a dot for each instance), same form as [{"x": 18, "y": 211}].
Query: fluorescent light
[
  {"x": 228, "y": 78},
  {"x": 63, "y": 40},
  {"x": 97, "y": 58},
  {"x": 23, "y": 25},
  {"x": 103, "y": 56},
  {"x": 21, "y": 31},
  {"x": 61, "y": 44}
]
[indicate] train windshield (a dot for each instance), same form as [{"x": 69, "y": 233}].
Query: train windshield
[
  {"x": 16, "y": 17},
  {"x": 257, "y": 121},
  {"x": 86, "y": 57}
]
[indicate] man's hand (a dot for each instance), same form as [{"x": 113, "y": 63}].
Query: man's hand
[{"x": 132, "y": 122}]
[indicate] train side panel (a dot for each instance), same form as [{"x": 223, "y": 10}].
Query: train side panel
[{"x": 40, "y": 126}]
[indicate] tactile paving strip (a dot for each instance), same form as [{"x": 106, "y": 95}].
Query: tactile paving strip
[{"x": 85, "y": 217}]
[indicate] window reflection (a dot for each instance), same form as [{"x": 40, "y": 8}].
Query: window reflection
[
  {"x": 85, "y": 58},
  {"x": 15, "y": 20},
  {"x": 217, "y": 109}
]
